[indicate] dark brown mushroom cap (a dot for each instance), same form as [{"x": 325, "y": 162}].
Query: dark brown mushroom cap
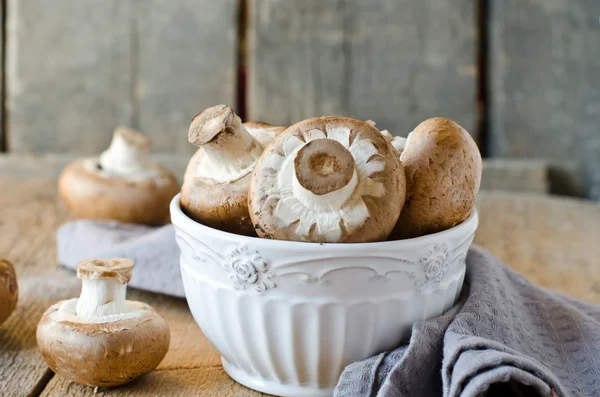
[
  {"x": 379, "y": 193},
  {"x": 9, "y": 289},
  {"x": 443, "y": 172},
  {"x": 97, "y": 269},
  {"x": 90, "y": 194},
  {"x": 103, "y": 354},
  {"x": 220, "y": 206}
]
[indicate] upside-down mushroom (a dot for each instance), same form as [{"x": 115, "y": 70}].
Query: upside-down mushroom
[
  {"x": 121, "y": 184},
  {"x": 215, "y": 187},
  {"x": 443, "y": 172},
  {"x": 327, "y": 179},
  {"x": 9, "y": 289},
  {"x": 101, "y": 339}
]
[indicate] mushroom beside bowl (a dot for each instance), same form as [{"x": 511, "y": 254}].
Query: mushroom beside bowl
[{"x": 287, "y": 317}]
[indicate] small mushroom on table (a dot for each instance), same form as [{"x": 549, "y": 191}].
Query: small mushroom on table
[
  {"x": 327, "y": 179},
  {"x": 215, "y": 187},
  {"x": 443, "y": 173},
  {"x": 121, "y": 184},
  {"x": 101, "y": 339},
  {"x": 9, "y": 290}
]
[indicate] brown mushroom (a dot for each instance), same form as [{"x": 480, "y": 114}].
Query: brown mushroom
[
  {"x": 9, "y": 289},
  {"x": 101, "y": 339},
  {"x": 398, "y": 142},
  {"x": 327, "y": 179},
  {"x": 443, "y": 173},
  {"x": 121, "y": 184},
  {"x": 264, "y": 133},
  {"x": 215, "y": 187}
]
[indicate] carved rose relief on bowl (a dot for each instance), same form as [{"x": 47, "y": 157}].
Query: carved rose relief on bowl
[{"x": 248, "y": 270}]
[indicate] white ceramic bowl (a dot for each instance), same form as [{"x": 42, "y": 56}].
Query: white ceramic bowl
[{"x": 287, "y": 317}]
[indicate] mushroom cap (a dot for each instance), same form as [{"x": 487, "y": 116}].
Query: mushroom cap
[
  {"x": 220, "y": 206},
  {"x": 207, "y": 125},
  {"x": 321, "y": 147},
  {"x": 9, "y": 289},
  {"x": 96, "y": 269},
  {"x": 443, "y": 172},
  {"x": 102, "y": 354},
  {"x": 88, "y": 193}
]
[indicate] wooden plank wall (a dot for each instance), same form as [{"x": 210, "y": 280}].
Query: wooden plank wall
[
  {"x": 544, "y": 68},
  {"x": 397, "y": 62},
  {"x": 76, "y": 68}
]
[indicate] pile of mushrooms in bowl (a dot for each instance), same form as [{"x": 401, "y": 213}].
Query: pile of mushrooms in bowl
[{"x": 306, "y": 248}]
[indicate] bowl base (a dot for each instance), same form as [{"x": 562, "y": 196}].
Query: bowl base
[{"x": 272, "y": 387}]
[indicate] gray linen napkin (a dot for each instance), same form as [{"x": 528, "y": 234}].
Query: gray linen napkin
[
  {"x": 154, "y": 250},
  {"x": 505, "y": 336}
]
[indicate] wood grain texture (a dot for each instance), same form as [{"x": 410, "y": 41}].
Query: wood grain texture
[
  {"x": 198, "y": 382},
  {"x": 76, "y": 69},
  {"x": 29, "y": 212},
  {"x": 68, "y": 74},
  {"x": 544, "y": 81},
  {"x": 186, "y": 63},
  {"x": 551, "y": 241},
  {"x": 397, "y": 62}
]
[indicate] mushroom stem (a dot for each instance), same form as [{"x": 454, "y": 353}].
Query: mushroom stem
[
  {"x": 229, "y": 150},
  {"x": 103, "y": 288},
  {"x": 127, "y": 154},
  {"x": 324, "y": 175},
  {"x": 101, "y": 297},
  {"x": 329, "y": 201}
]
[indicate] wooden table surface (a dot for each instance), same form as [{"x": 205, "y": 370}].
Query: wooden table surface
[{"x": 552, "y": 241}]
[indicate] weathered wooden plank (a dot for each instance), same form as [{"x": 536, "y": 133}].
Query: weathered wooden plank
[
  {"x": 544, "y": 80},
  {"x": 29, "y": 212},
  {"x": 516, "y": 175},
  {"x": 551, "y": 241},
  {"x": 151, "y": 64},
  {"x": 69, "y": 77},
  {"x": 186, "y": 63},
  {"x": 397, "y": 62},
  {"x": 198, "y": 382},
  {"x": 51, "y": 165}
]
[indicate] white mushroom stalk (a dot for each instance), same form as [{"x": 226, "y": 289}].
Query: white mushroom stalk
[
  {"x": 103, "y": 289},
  {"x": 322, "y": 180},
  {"x": 126, "y": 157},
  {"x": 229, "y": 150}
]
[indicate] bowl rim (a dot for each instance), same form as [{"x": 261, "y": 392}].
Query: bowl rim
[{"x": 180, "y": 219}]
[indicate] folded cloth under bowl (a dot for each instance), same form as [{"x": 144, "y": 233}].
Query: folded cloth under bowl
[
  {"x": 154, "y": 250},
  {"x": 505, "y": 337}
]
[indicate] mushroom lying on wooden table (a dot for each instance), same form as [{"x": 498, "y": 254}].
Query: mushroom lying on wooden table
[
  {"x": 102, "y": 339},
  {"x": 121, "y": 184},
  {"x": 327, "y": 179},
  {"x": 9, "y": 289},
  {"x": 215, "y": 187},
  {"x": 443, "y": 173}
]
